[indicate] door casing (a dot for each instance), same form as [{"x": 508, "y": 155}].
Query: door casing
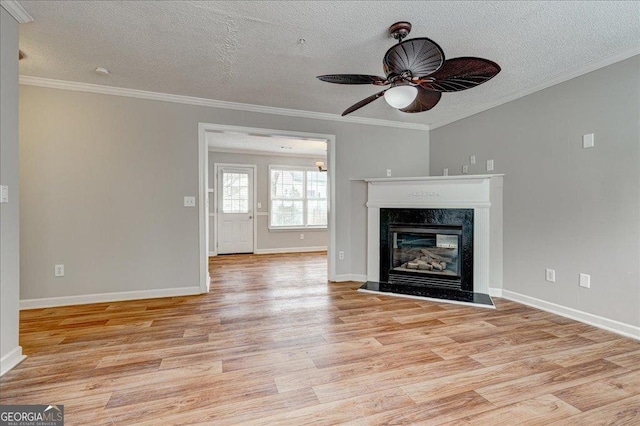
[
  {"x": 203, "y": 162},
  {"x": 216, "y": 172}
]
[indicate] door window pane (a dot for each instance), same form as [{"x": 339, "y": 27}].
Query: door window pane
[{"x": 235, "y": 192}]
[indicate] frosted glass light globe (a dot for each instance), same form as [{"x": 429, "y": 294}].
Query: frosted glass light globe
[{"x": 401, "y": 96}]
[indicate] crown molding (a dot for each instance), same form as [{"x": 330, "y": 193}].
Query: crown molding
[
  {"x": 189, "y": 100},
  {"x": 16, "y": 10},
  {"x": 560, "y": 78}
]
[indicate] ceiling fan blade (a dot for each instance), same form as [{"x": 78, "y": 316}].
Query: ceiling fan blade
[
  {"x": 420, "y": 56},
  {"x": 353, "y": 79},
  {"x": 363, "y": 102},
  {"x": 425, "y": 100},
  {"x": 461, "y": 73}
]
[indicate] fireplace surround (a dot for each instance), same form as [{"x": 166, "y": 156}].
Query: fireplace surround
[
  {"x": 427, "y": 247},
  {"x": 438, "y": 232}
]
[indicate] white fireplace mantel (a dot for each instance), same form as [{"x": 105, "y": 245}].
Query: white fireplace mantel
[{"x": 482, "y": 193}]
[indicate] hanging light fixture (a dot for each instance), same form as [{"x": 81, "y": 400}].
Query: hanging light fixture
[
  {"x": 401, "y": 96},
  {"x": 417, "y": 74}
]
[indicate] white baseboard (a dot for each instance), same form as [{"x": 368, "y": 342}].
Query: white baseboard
[
  {"x": 349, "y": 277},
  {"x": 626, "y": 330},
  {"x": 83, "y": 299},
  {"x": 289, "y": 250},
  {"x": 11, "y": 359},
  {"x": 495, "y": 292}
]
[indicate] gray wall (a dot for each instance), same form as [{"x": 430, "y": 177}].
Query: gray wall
[
  {"x": 566, "y": 208},
  {"x": 269, "y": 239},
  {"x": 103, "y": 180},
  {"x": 9, "y": 238}
]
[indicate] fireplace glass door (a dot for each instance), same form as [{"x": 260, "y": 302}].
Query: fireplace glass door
[{"x": 426, "y": 255}]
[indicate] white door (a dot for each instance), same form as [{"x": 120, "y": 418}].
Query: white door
[{"x": 235, "y": 210}]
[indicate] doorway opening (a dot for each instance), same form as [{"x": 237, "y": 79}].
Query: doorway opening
[
  {"x": 234, "y": 201},
  {"x": 265, "y": 191}
]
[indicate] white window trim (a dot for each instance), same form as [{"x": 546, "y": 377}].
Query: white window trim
[{"x": 304, "y": 204}]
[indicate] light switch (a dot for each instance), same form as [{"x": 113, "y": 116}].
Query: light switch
[
  {"x": 445, "y": 172},
  {"x": 4, "y": 194},
  {"x": 588, "y": 141},
  {"x": 189, "y": 201},
  {"x": 472, "y": 159},
  {"x": 489, "y": 165},
  {"x": 259, "y": 205},
  {"x": 585, "y": 280}
]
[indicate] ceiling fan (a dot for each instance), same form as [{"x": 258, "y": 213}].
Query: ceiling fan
[{"x": 418, "y": 73}]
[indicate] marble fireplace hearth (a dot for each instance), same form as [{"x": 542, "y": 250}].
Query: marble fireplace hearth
[{"x": 437, "y": 237}]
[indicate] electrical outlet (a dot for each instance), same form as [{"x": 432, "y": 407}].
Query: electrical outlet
[
  {"x": 341, "y": 255},
  {"x": 189, "y": 201},
  {"x": 585, "y": 280},
  {"x": 550, "y": 275},
  {"x": 465, "y": 169},
  {"x": 445, "y": 172},
  {"x": 302, "y": 236},
  {"x": 4, "y": 194},
  {"x": 472, "y": 159},
  {"x": 388, "y": 172},
  {"x": 489, "y": 165},
  {"x": 58, "y": 271}
]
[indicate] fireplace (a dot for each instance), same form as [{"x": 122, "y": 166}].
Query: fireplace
[
  {"x": 425, "y": 255},
  {"x": 427, "y": 247},
  {"x": 436, "y": 237}
]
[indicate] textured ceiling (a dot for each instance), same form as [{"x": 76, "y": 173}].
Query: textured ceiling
[
  {"x": 279, "y": 145},
  {"x": 248, "y": 52}
]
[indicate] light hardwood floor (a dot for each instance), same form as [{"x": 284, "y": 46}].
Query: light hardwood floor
[{"x": 274, "y": 343}]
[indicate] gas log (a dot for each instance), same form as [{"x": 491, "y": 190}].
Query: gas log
[{"x": 426, "y": 263}]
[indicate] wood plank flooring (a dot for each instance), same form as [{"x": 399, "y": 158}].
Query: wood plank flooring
[{"x": 274, "y": 343}]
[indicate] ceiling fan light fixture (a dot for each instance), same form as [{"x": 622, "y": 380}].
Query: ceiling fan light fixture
[
  {"x": 401, "y": 96},
  {"x": 101, "y": 71}
]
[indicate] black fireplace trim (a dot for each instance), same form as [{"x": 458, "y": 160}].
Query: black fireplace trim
[{"x": 429, "y": 218}]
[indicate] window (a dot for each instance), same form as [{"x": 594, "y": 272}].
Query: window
[
  {"x": 235, "y": 192},
  {"x": 298, "y": 198}
]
